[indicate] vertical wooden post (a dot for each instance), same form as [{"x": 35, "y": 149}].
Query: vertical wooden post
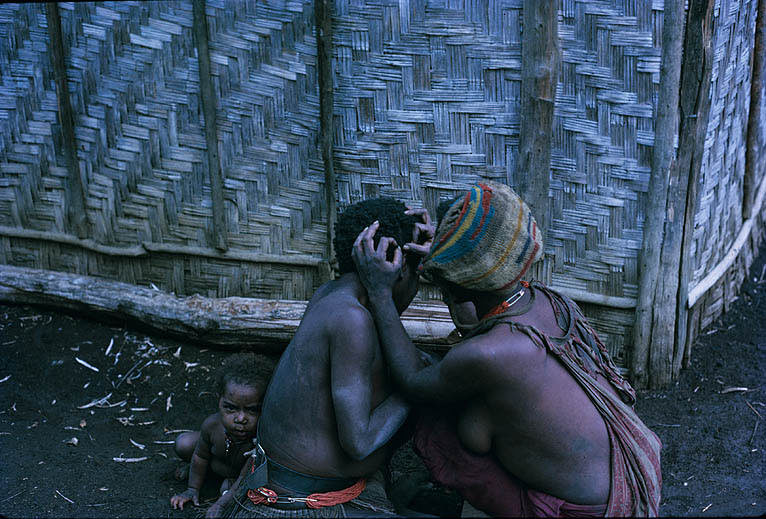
[
  {"x": 539, "y": 77},
  {"x": 695, "y": 110},
  {"x": 662, "y": 163},
  {"x": 752, "y": 160},
  {"x": 540, "y": 58},
  {"x": 74, "y": 188},
  {"x": 323, "y": 16},
  {"x": 211, "y": 135}
]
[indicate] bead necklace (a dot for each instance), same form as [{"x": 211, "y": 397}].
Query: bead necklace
[{"x": 227, "y": 439}]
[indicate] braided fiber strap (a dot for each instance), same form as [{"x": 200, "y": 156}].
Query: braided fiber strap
[{"x": 267, "y": 496}]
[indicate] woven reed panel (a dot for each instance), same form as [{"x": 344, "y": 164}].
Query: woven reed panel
[
  {"x": 720, "y": 296},
  {"x": 427, "y": 102},
  {"x": 719, "y": 214},
  {"x": 134, "y": 85},
  {"x": 614, "y": 328},
  {"x": 28, "y": 174}
]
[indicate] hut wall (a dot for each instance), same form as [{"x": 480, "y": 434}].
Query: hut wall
[
  {"x": 719, "y": 216},
  {"x": 426, "y": 102},
  {"x": 134, "y": 87}
]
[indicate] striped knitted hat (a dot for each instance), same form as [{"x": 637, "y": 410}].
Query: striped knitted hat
[{"x": 486, "y": 240}]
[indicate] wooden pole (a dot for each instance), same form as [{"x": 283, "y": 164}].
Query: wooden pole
[
  {"x": 754, "y": 162},
  {"x": 220, "y": 241},
  {"x": 323, "y": 16},
  {"x": 74, "y": 188},
  {"x": 539, "y": 76},
  {"x": 662, "y": 163},
  {"x": 695, "y": 110}
]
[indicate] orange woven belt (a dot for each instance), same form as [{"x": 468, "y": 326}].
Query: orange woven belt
[{"x": 263, "y": 495}]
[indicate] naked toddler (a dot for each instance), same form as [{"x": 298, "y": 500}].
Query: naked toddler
[{"x": 218, "y": 448}]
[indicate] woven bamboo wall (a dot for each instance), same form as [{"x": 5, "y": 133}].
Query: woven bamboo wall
[
  {"x": 134, "y": 85},
  {"x": 719, "y": 215},
  {"x": 426, "y": 102}
]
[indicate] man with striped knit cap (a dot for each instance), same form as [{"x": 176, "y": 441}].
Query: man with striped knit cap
[{"x": 527, "y": 415}]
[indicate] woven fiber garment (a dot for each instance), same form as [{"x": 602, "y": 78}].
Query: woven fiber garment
[{"x": 486, "y": 241}]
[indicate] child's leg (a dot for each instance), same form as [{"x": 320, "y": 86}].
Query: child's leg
[{"x": 185, "y": 444}]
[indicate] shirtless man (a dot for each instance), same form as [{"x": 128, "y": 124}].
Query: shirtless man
[
  {"x": 329, "y": 414},
  {"x": 535, "y": 419}
]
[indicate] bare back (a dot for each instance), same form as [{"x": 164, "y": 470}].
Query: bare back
[{"x": 304, "y": 415}]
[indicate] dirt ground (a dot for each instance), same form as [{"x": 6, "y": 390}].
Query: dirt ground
[{"x": 88, "y": 412}]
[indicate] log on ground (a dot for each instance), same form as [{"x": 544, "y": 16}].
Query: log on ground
[{"x": 236, "y": 323}]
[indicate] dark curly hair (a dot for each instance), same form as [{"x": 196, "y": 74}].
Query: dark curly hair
[
  {"x": 393, "y": 223},
  {"x": 443, "y": 207},
  {"x": 242, "y": 368}
]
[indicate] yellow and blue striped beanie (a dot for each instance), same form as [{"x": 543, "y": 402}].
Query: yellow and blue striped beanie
[{"x": 486, "y": 240}]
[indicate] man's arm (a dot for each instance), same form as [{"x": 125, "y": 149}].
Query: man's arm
[{"x": 361, "y": 429}]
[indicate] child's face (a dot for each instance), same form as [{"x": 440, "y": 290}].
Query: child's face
[{"x": 240, "y": 407}]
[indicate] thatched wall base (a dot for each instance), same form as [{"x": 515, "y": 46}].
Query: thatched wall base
[{"x": 182, "y": 271}]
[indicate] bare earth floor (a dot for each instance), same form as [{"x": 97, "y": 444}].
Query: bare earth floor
[{"x": 92, "y": 438}]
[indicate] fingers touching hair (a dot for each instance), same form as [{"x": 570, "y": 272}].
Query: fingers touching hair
[{"x": 393, "y": 223}]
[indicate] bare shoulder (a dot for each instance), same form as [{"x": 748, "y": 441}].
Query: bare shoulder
[
  {"x": 353, "y": 332},
  {"x": 211, "y": 425},
  {"x": 341, "y": 310},
  {"x": 498, "y": 353},
  {"x": 348, "y": 327}
]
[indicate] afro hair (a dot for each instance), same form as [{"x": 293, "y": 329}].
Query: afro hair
[
  {"x": 443, "y": 207},
  {"x": 393, "y": 223},
  {"x": 242, "y": 368}
]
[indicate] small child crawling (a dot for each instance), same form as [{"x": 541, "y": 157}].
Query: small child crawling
[{"x": 218, "y": 449}]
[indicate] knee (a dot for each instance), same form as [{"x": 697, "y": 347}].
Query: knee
[{"x": 185, "y": 444}]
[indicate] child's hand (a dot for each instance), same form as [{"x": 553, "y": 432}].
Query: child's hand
[{"x": 179, "y": 500}]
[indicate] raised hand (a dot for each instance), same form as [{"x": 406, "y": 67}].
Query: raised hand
[
  {"x": 422, "y": 234},
  {"x": 375, "y": 270}
]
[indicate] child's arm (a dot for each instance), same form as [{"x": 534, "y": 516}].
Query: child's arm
[
  {"x": 197, "y": 470},
  {"x": 222, "y": 503}
]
